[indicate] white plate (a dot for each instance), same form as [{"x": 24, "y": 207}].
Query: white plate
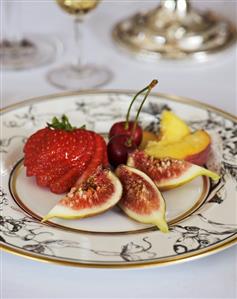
[{"x": 202, "y": 215}]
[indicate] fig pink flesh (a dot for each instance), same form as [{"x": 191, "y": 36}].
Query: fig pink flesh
[
  {"x": 91, "y": 193},
  {"x": 138, "y": 195},
  {"x": 141, "y": 199},
  {"x": 98, "y": 193},
  {"x": 158, "y": 169}
]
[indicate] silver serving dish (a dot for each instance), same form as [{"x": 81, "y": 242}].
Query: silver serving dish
[{"x": 174, "y": 30}]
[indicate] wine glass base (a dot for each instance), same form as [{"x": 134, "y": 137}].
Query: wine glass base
[
  {"x": 32, "y": 51},
  {"x": 71, "y": 78}
]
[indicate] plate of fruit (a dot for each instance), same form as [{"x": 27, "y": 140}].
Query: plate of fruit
[{"x": 117, "y": 179}]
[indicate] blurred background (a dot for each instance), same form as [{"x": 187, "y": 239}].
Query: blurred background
[{"x": 212, "y": 81}]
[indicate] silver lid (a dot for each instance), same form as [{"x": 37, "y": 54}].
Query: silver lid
[{"x": 174, "y": 30}]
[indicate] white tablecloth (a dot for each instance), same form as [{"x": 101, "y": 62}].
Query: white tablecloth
[{"x": 212, "y": 82}]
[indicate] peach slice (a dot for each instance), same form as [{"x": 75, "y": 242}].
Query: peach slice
[
  {"x": 172, "y": 128},
  {"x": 194, "y": 148},
  {"x": 146, "y": 137}
]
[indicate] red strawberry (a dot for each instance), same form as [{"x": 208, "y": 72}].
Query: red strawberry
[
  {"x": 96, "y": 161},
  {"x": 105, "y": 161},
  {"x": 66, "y": 181},
  {"x": 59, "y": 154},
  {"x": 53, "y": 174},
  {"x": 72, "y": 150}
]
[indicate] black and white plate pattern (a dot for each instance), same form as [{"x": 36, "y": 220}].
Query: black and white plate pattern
[{"x": 202, "y": 215}]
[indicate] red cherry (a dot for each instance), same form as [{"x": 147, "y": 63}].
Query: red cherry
[
  {"x": 118, "y": 149},
  {"x": 122, "y": 128},
  {"x": 131, "y": 128}
]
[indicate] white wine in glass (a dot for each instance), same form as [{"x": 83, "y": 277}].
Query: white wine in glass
[
  {"x": 78, "y": 75},
  {"x": 76, "y": 7}
]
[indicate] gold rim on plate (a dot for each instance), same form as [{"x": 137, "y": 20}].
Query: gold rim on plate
[
  {"x": 13, "y": 190},
  {"x": 113, "y": 265}
]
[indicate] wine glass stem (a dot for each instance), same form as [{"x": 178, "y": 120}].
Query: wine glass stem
[
  {"x": 78, "y": 61},
  {"x": 12, "y": 24}
]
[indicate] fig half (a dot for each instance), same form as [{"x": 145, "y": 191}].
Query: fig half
[
  {"x": 98, "y": 193},
  {"x": 141, "y": 199},
  {"x": 167, "y": 173}
]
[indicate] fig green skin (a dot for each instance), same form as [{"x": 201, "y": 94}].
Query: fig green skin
[
  {"x": 120, "y": 129},
  {"x": 189, "y": 173},
  {"x": 157, "y": 215},
  {"x": 60, "y": 210}
]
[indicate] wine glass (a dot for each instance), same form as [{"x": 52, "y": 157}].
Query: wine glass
[
  {"x": 77, "y": 74},
  {"x": 17, "y": 51}
]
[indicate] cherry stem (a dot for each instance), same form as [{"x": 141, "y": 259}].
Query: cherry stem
[
  {"x": 128, "y": 143},
  {"x": 149, "y": 88},
  {"x": 126, "y": 126}
]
